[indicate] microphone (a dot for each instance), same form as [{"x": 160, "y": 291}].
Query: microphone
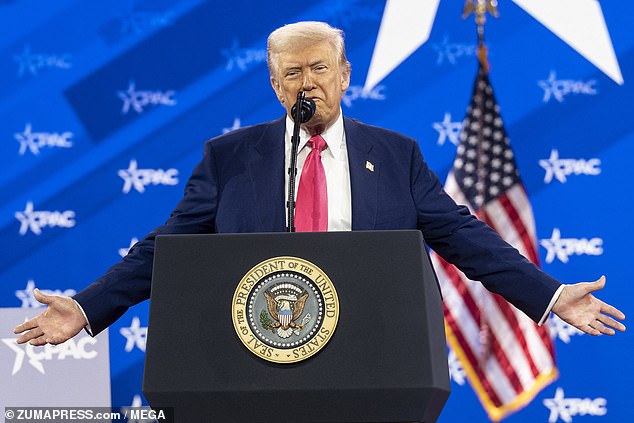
[
  {"x": 301, "y": 114},
  {"x": 306, "y": 109}
]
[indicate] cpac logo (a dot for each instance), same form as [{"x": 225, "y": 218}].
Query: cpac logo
[
  {"x": 558, "y": 89},
  {"x": 36, "y": 220},
  {"x": 562, "y": 330},
  {"x": 136, "y": 178},
  {"x": 456, "y": 371},
  {"x": 79, "y": 350},
  {"x": 33, "y": 63},
  {"x": 137, "y": 100},
  {"x": 448, "y": 130},
  {"x": 28, "y": 298},
  {"x": 563, "y": 248},
  {"x": 356, "y": 92},
  {"x": 139, "y": 22},
  {"x": 341, "y": 14},
  {"x": 561, "y": 168},
  {"x": 242, "y": 58},
  {"x": 451, "y": 52},
  {"x": 135, "y": 335},
  {"x": 566, "y": 408},
  {"x": 33, "y": 141}
]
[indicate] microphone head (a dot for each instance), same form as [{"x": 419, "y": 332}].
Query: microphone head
[{"x": 306, "y": 110}]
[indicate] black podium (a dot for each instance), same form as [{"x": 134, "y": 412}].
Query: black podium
[{"x": 385, "y": 362}]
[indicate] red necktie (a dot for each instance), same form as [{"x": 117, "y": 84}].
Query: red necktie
[{"x": 311, "y": 209}]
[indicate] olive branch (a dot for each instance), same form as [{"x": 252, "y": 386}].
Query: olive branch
[{"x": 265, "y": 320}]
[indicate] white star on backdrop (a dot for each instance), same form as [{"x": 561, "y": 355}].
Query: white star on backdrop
[
  {"x": 135, "y": 335},
  {"x": 26, "y": 295},
  {"x": 448, "y": 130},
  {"x": 406, "y": 26}
]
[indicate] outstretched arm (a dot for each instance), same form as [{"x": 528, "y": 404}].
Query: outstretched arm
[
  {"x": 578, "y": 307},
  {"x": 61, "y": 320}
]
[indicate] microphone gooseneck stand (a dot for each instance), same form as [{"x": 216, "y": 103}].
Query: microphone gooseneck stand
[{"x": 302, "y": 111}]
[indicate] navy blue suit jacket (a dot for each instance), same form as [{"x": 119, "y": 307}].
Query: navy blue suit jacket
[{"x": 239, "y": 187}]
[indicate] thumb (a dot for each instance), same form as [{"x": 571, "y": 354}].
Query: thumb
[
  {"x": 43, "y": 298},
  {"x": 596, "y": 285}
]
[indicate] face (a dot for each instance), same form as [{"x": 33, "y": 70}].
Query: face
[{"x": 316, "y": 71}]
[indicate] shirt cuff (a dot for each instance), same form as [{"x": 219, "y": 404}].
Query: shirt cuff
[
  {"x": 87, "y": 327},
  {"x": 553, "y": 300}
]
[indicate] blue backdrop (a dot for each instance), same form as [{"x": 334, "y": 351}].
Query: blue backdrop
[{"x": 105, "y": 107}]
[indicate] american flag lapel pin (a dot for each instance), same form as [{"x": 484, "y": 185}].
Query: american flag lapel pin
[{"x": 369, "y": 166}]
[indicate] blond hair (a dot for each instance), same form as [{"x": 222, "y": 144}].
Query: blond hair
[{"x": 301, "y": 34}]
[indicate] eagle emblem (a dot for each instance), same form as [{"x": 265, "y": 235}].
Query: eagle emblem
[{"x": 285, "y": 304}]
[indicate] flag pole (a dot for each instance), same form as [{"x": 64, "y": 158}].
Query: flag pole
[{"x": 480, "y": 8}]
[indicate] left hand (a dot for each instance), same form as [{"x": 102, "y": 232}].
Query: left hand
[
  {"x": 61, "y": 320},
  {"x": 577, "y": 306}
]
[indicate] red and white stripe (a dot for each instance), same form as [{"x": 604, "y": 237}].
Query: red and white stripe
[{"x": 507, "y": 357}]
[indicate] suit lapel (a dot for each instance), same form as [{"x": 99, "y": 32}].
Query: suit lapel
[
  {"x": 266, "y": 170},
  {"x": 365, "y": 169}
]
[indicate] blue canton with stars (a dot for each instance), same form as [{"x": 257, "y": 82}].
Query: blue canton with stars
[{"x": 485, "y": 166}]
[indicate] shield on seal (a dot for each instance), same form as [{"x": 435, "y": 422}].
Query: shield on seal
[{"x": 285, "y": 317}]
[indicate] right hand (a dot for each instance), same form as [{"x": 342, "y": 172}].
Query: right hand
[{"x": 61, "y": 320}]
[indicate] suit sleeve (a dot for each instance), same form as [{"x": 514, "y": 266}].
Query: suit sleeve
[
  {"x": 128, "y": 282},
  {"x": 476, "y": 249}
]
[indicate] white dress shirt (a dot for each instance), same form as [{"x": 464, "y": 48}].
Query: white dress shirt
[{"x": 335, "y": 161}]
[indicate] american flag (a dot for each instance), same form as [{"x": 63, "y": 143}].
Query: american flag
[{"x": 508, "y": 358}]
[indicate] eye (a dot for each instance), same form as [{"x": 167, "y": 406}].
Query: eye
[{"x": 320, "y": 68}]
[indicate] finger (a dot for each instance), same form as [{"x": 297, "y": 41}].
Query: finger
[
  {"x": 611, "y": 310},
  {"x": 29, "y": 324},
  {"x": 39, "y": 341},
  {"x": 602, "y": 328},
  {"x": 608, "y": 321},
  {"x": 43, "y": 298},
  {"x": 32, "y": 334},
  {"x": 596, "y": 285},
  {"x": 56, "y": 340},
  {"x": 589, "y": 330}
]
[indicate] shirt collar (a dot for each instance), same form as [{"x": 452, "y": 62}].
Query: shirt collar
[{"x": 334, "y": 136}]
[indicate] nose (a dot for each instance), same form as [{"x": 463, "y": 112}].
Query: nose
[{"x": 307, "y": 83}]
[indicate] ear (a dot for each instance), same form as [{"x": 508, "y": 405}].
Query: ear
[
  {"x": 345, "y": 80},
  {"x": 277, "y": 89}
]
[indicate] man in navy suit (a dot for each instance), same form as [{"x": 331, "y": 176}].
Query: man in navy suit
[{"x": 376, "y": 179}]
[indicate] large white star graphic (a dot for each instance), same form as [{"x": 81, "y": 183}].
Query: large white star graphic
[{"x": 406, "y": 26}]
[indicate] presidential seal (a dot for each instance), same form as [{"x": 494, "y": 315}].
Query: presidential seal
[{"x": 285, "y": 309}]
